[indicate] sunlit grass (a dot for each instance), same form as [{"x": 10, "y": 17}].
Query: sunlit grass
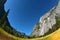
[{"x": 53, "y": 36}]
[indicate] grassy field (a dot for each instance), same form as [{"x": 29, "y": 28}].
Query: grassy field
[{"x": 53, "y": 36}]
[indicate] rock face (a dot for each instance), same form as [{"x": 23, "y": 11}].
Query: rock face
[{"x": 46, "y": 21}]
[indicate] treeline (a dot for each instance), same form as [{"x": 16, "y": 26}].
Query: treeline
[{"x": 6, "y": 26}]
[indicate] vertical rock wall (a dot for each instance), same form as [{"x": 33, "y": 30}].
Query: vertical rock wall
[{"x": 47, "y": 21}]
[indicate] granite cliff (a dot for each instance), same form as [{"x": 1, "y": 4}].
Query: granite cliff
[{"x": 48, "y": 23}]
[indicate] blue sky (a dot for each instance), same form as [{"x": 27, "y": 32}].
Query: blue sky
[{"x": 24, "y": 14}]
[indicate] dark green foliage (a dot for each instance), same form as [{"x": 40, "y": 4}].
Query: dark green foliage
[
  {"x": 4, "y": 23},
  {"x": 50, "y": 31},
  {"x": 2, "y": 2},
  {"x": 54, "y": 27},
  {"x": 34, "y": 36}
]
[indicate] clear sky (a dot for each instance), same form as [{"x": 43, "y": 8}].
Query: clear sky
[{"x": 24, "y": 14}]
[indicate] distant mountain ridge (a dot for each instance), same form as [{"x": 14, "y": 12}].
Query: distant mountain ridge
[{"x": 48, "y": 22}]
